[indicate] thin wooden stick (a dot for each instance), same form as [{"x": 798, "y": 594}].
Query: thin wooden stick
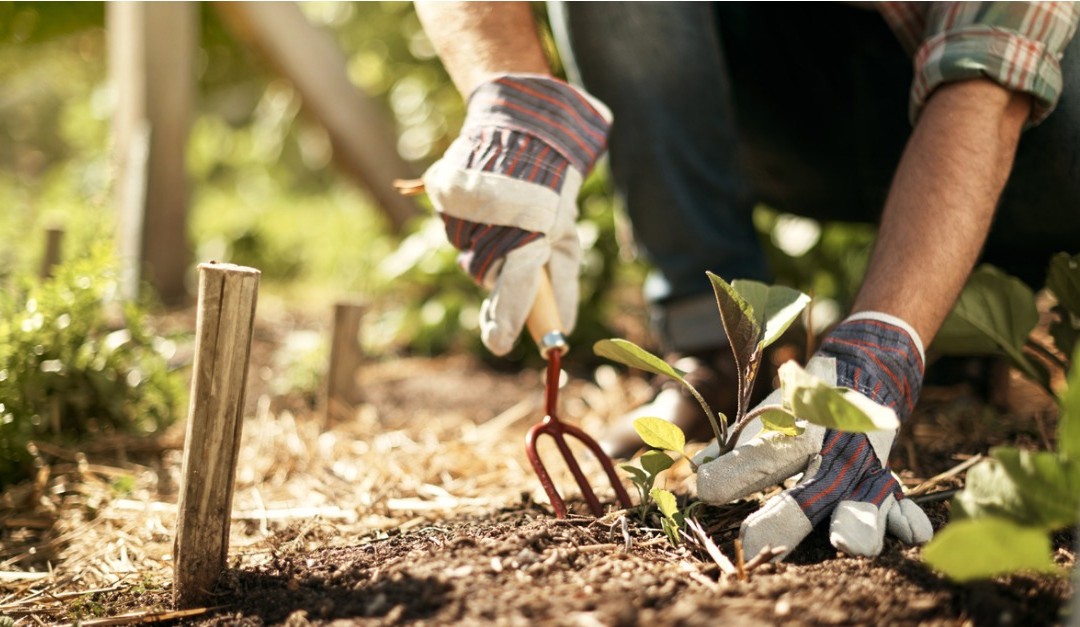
[
  {"x": 925, "y": 486},
  {"x": 226, "y": 317}
]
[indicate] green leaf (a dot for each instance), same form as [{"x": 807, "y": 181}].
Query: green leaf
[
  {"x": 629, "y": 354},
  {"x": 994, "y": 315},
  {"x": 966, "y": 550},
  {"x": 659, "y": 433},
  {"x": 665, "y": 501},
  {"x": 655, "y": 462},
  {"x": 781, "y": 420},
  {"x": 1038, "y": 489},
  {"x": 1063, "y": 279},
  {"x": 813, "y": 400},
  {"x": 744, "y": 334},
  {"x": 775, "y": 307},
  {"x": 1068, "y": 435},
  {"x": 637, "y": 475}
]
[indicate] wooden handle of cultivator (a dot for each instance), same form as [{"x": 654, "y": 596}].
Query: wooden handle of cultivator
[{"x": 544, "y": 323}]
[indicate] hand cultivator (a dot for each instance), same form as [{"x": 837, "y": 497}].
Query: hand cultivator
[
  {"x": 546, "y": 330},
  {"x": 546, "y": 327}
]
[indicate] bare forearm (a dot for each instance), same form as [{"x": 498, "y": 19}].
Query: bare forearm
[
  {"x": 942, "y": 201},
  {"x": 477, "y": 40}
]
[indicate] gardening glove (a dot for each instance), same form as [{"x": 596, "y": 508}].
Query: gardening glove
[
  {"x": 507, "y": 188},
  {"x": 845, "y": 475}
]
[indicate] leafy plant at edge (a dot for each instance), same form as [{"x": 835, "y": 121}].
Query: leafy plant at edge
[
  {"x": 754, "y": 316},
  {"x": 1013, "y": 501}
]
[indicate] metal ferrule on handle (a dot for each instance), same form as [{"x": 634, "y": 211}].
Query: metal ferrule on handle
[{"x": 544, "y": 324}]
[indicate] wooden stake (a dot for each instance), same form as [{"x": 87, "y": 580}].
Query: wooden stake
[
  {"x": 226, "y": 316},
  {"x": 54, "y": 237},
  {"x": 343, "y": 394}
]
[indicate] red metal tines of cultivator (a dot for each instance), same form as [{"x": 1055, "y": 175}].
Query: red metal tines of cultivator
[{"x": 558, "y": 430}]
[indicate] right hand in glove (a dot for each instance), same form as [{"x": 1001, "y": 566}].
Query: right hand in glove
[
  {"x": 845, "y": 475},
  {"x": 507, "y": 188}
]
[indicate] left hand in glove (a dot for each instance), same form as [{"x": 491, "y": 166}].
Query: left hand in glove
[{"x": 845, "y": 475}]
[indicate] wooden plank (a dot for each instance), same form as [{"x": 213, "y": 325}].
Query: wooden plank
[
  {"x": 345, "y": 358},
  {"x": 361, "y": 131},
  {"x": 223, "y": 331},
  {"x": 152, "y": 49}
]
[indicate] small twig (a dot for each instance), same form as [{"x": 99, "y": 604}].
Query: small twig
[
  {"x": 145, "y": 616},
  {"x": 766, "y": 554},
  {"x": 627, "y": 542},
  {"x": 932, "y": 482},
  {"x": 740, "y": 565},
  {"x": 934, "y": 496},
  {"x": 709, "y": 546}
]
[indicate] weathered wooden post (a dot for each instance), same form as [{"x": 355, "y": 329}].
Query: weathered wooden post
[
  {"x": 226, "y": 316},
  {"x": 342, "y": 392},
  {"x": 54, "y": 238}
]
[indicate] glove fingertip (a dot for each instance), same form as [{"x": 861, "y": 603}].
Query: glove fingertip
[
  {"x": 909, "y": 523},
  {"x": 857, "y": 528},
  {"x": 780, "y": 523}
]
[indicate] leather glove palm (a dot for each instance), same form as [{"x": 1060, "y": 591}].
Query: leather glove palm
[
  {"x": 845, "y": 475},
  {"x": 507, "y": 188}
]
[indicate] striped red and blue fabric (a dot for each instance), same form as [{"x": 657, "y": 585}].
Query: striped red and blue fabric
[
  {"x": 481, "y": 245},
  {"x": 881, "y": 361},
  {"x": 529, "y": 128},
  {"x": 532, "y": 128}
]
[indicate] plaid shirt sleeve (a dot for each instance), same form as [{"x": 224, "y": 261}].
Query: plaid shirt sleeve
[{"x": 1017, "y": 44}]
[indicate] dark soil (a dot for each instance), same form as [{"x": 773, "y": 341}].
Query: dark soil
[
  {"x": 518, "y": 565},
  {"x": 513, "y": 563}
]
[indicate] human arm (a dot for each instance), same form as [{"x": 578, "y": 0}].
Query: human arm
[
  {"x": 942, "y": 201},
  {"x": 477, "y": 41},
  {"x": 506, "y": 189}
]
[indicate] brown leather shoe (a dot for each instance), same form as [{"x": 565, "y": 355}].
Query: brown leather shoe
[{"x": 712, "y": 374}]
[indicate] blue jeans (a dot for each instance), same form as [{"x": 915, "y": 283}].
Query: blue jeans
[{"x": 820, "y": 93}]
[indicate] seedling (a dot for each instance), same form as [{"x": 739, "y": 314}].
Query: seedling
[{"x": 755, "y": 315}]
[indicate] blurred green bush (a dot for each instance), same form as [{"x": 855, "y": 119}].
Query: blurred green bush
[{"x": 76, "y": 363}]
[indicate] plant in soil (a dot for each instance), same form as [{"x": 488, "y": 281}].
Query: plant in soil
[
  {"x": 1012, "y": 502},
  {"x": 754, "y": 315}
]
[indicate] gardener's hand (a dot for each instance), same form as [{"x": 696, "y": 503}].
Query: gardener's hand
[
  {"x": 845, "y": 475},
  {"x": 507, "y": 191}
]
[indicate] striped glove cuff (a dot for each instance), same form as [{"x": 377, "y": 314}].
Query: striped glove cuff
[
  {"x": 881, "y": 357},
  {"x": 532, "y": 128}
]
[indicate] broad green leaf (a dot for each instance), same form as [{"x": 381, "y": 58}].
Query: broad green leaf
[
  {"x": 1063, "y": 279},
  {"x": 994, "y": 315},
  {"x": 966, "y": 550},
  {"x": 744, "y": 334},
  {"x": 1048, "y": 484},
  {"x": 629, "y": 354},
  {"x": 775, "y": 307},
  {"x": 665, "y": 501},
  {"x": 659, "y": 433},
  {"x": 1068, "y": 435},
  {"x": 1037, "y": 489},
  {"x": 655, "y": 462},
  {"x": 781, "y": 420},
  {"x": 636, "y": 474},
  {"x": 815, "y": 401}
]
